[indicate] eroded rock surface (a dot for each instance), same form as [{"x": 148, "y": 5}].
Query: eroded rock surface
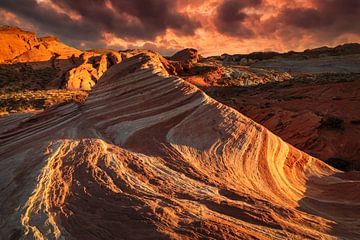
[
  {"x": 318, "y": 114},
  {"x": 189, "y": 55},
  {"x": 149, "y": 156}
]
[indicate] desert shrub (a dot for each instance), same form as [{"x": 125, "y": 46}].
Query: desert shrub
[
  {"x": 339, "y": 163},
  {"x": 294, "y": 97},
  {"x": 268, "y": 116},
  {"x": 37, "y": 100},
  {"x": 332, "y": 123},
  {"x": 336, "y": 98},
  {"x": 355, "y": 122}
]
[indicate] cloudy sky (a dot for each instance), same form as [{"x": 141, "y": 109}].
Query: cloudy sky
[{"x": 212, "y": 26}]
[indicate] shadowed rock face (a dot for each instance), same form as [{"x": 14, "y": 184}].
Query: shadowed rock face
[{"x": 149, "y": 156}]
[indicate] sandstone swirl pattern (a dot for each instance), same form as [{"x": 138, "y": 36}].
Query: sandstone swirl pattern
[{"x": 149, "y": 156}]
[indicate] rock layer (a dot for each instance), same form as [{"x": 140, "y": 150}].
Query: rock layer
[
  {"x": 318, "y": 114},
  {"x": 149, "y": 156}
]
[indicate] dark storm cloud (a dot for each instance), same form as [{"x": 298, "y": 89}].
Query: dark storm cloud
[
  {"x": 132, "y": 19},
  {"x": 230, "y": 17},
  {"x": 151, "y": 17},
  {"x": 49, "y": 20},
  {"x": 326, "y": 17},
  {"x": 260, "y": 24},
  {"x": 332, "y": 16}
]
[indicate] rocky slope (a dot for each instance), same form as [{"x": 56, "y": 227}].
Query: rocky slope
[
  {"x": 22, "y": 46},
  {"x": 150, "y": 156},
  {"x": 318, "y": 114},
  {"x": 205, "y": 72},
  {"x": 72, "y": 69},
  {"x": 310, "y": 98},
  {"x": 14, "y": 42},
  {"x": 34, "y": 68}
]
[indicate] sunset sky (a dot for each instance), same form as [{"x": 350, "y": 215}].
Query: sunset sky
[{"x": 213, "y": 26}]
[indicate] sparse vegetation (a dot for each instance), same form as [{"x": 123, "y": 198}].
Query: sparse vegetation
[
  {"x": 17, "y": 77},
  {"x": 325, "y": 78},
  {"x": 25, "y": 101},
  {"x": 339, "y": 163},
  {"x": 23, "y": 89},
  {"x": 294, "y": 97},
  {"x": 336, "y": 98}
]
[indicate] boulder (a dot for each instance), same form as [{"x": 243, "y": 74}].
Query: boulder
[{"x": 187, "y": 55}]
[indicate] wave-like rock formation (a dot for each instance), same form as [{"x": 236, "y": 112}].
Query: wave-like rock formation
[{"x": 150, "y": 156}]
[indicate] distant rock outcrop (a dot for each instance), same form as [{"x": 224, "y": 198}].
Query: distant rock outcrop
[
  {"x": 204, "y": 72},
  {"x": 75, "y": 69},
  {"x": 187, "y": 55},
  {"x": 22, "y": 46},
  {"x": 14, "y": 42}
]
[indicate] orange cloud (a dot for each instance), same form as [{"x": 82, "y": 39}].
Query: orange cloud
[{"x": 213, "y": 26}]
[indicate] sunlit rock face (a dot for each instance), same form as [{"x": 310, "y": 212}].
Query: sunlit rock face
[
  {"x": 190, "y": 55},
  {"x": 22, "y": 46},
  {"x": 150, "y": 156},
  {"x": 14, "y": 42},
  {"x": 85, "y": 75},
  {"x": 74, "y": 69}
]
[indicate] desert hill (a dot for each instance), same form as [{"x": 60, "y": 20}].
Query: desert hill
[
  {"x": 150, "y": 156},
  {"x": 23, "y": 46},
  {"x": 14, "y": 42},
  {"x": 69, "y": 68},
  {"x": 341, "y": 50},
  {"x": 340, "y": 59}
]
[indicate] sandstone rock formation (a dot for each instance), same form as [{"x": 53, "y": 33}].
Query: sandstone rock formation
[
  {"x": 85, "y": 75},
  {"x": 76, "y": 70},
  {"x": 114, "y": 58},
  {"x": 189, "y": 55},
  {"x": 319, "y": 115},
  {"x": 206, "y": 75},
  {"x": 22, "y": 46},
  {"x": 184, "y": 60},
  {"x": 15, "y": 42},
  {"x": 205, "y": 72},
  {"x": 149, "y": 156}
]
